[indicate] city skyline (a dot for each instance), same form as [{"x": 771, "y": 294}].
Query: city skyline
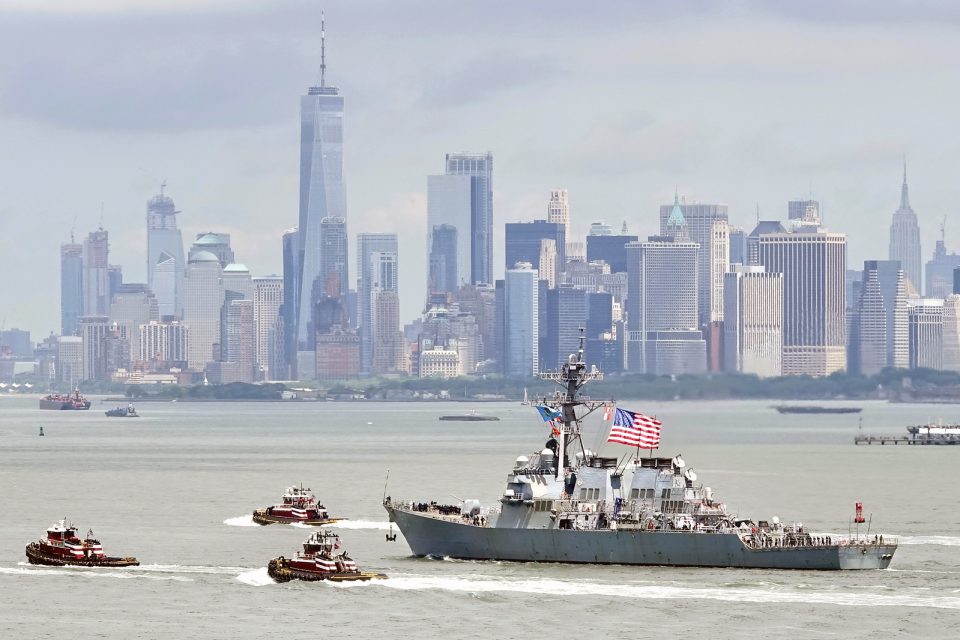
[{"x": 259, "y": 200}]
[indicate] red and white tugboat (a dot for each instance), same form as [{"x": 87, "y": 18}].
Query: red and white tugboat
[
  {"x": 299, "y": 505},
  {"x": 321, "y": 559},
  {"x": 62, "y": 546}
]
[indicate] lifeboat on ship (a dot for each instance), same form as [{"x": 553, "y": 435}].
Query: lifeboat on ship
[
  {"x": 321, "y": 559},
  {"x": 62, "y": 546},
  {"x": 298, "y": 505}
]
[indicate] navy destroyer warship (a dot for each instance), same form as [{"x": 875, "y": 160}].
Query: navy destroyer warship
[{"x": 567, "y": 503}]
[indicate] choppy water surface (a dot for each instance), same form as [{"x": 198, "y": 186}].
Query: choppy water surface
[{"x": 176, "y": 487}]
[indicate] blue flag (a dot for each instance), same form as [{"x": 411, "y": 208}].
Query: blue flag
[{"x": 548, "y": 414}]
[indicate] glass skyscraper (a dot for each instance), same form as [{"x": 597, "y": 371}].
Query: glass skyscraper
[
  {"x": 321, "y": 196},
  {"x": 165, "y": 263},
  {"x": 480, "y": 169}
]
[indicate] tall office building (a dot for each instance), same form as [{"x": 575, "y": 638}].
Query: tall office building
[
  {"x": 738, "y": 246},
  {"x": 882, "y": 331},
  {"x": 68, "y": 363},
  {"x": 926, "y": 333},
  {"x": 813, "y": 264},
  {"x": 611, "y": 249},
  {"x": 451, "y": 204},
  {"x": 662, "y": 277},
  {"x": 521, "y": 324},
  {"x": 165, "y": 262},
  {"x": 239, "y": 344},
  {"x": 523, "y": 242},
  {"x": 566, "y": 314},
  {"x": 443, "y": 260},
  {"x": 94, "y": 331},
  {"x": 558, "y": 210},
  {"x": 940, "y": 268},
  {"x": 951, "y": 333},
  {"x": 753, "y": 321},
  {"x": 387, "y": 344},
  {"x": 163, "y": 345},
  {"x": 216, "y": 243},
  {"x": 132, "y": 306},
  {"x": 288, "y": 313},
  {"x": 804, "y": 211},
  {"x": 96, "y": 282},
  {"x": 202, "y": 302},
  {"x": 905, "y": 237},
  {"x": 267, "y": 301},
  {"x": 480, "y": 169},
  {"x": 333, "y": 256},
  {"x": 71, "y": 287},
  {"x": 548, "y": 263},
  {"x": 237, "y": 282},
  {"x": 322, "y": 195},
  {"x": 707, "y": 225},
  {"x": 369, "y": 244}
]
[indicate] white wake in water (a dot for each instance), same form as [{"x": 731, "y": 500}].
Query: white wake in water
[
  {"x": 946, "y": 541},
  {"x": 179, "y": 568},
  {"x": 300, "y": 525},
  {"x": 256, "y": 577},
  {"x": 241, "y": 521},
  {"x": 857, "y": 598},
  {"x": 361, "y": 524},
  {"x": 129, "y": 574}
]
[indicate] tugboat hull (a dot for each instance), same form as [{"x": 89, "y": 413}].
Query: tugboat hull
[
  {"x": 260, "y": 516},
  {"x": 280, "y": 571},
  {"x": 436, "y": 537},
  {"x": 35, "y": 555}
]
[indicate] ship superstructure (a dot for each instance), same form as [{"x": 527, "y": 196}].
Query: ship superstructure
[{"x": 567, "y": 503}]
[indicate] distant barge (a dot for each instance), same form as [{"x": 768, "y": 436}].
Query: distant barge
[
  {"x": 469, "y": 417},
  {"x": 784, "y": 408}
]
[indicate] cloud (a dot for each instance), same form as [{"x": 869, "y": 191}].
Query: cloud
[
  {"x": 149, "y": 86},
  {"x": 480, "y": 78}
]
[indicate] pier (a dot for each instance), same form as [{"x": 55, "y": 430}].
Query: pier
[{"x": 884, "y": 440}]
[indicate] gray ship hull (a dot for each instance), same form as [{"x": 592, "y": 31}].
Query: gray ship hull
[{"x": 431, "y": 536}]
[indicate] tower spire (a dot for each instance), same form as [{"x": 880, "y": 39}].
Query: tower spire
[
  {"x": 904, "y": 190},
  {"x": 323, "y": 48}
]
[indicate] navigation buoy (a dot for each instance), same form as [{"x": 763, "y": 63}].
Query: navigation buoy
[
  {"x": 41, "y": 430},
  {"x": 859, "y": 517}
]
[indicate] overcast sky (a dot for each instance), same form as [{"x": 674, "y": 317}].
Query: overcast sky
[{"x": 747, "y": 103}]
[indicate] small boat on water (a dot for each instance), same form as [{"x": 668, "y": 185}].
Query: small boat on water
[
  {"x": 525, "y": 400},
  {"x": 63, "y": 547},
  {"x": 473, "y": 416},
  {"x": 68, "y": 402},
  {"x": 319, "y": 560},
  {"x": 809, "y": 409},
  {"x": 298, "y": 505},
  {"x": 128, "y": 411}
]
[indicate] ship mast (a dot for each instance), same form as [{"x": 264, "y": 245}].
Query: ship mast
[{"x": 572, "y": 376}]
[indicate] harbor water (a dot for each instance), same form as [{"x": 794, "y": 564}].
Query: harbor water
[{"x": 176, "y": 488}]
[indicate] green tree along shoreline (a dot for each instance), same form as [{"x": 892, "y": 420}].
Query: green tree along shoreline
[
  {"x": 924, "y": 385},
  {"x": 893, "y": 384}
]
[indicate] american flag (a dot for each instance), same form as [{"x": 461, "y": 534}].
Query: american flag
[{"x": 635, "y": 430}]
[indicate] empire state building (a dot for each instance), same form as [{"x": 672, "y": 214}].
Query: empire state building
[{"x": 905, "y": 237}]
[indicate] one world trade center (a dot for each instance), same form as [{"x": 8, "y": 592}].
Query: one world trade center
[{"x": 322, "y": 199}]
